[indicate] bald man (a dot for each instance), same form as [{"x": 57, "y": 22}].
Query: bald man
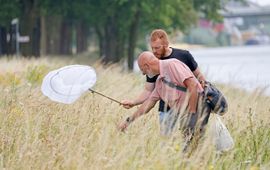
[
  {"x": 171, "y": 71},
  {"x": 159, "y": 43}
]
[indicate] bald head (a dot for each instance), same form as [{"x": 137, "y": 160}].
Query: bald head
[
  {"x": 148, "y": 63},
  {"x": 145, "y": 57}
]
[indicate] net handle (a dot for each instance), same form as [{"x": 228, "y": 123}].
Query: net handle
[{"x": 93, "y": 91}]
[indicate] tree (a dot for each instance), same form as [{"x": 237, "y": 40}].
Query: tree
[
  {"x": 56, "y": 26},
  {"x": 30, "y": 26},
  {"x": 119, "y": 26},
  {"x": 9, "y": 9},
  {"x": 156, "y": 14}
]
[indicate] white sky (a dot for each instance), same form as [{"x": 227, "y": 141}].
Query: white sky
[{"x": 262, "y": 2}]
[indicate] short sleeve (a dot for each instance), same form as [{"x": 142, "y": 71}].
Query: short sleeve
[{"x": 181, "y": 71}]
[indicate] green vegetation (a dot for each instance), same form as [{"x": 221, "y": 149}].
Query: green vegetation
[
  {"x": 66, "y": 27},
  {"x": 37, "y": 133},
  {"x": 35, "y": 74}
]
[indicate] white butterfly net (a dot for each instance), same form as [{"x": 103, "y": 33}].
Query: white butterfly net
[{"x": 68, "y": 83}]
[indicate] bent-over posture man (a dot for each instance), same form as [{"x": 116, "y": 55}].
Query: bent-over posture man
[
  {"x": 160, "y": 46},
  {"x": 187, "y": 104}
]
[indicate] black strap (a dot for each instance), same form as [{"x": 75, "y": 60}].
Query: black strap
[{"x": 173, "y": 85}]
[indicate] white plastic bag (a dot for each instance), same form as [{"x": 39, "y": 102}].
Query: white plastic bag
[{"x": 223, "y": 139}]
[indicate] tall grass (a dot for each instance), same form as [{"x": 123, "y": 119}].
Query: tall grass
[{"x": 36, "y": 133}]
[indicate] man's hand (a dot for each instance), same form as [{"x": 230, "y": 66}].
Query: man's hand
[
  {"x": 127, "y": 104},
  {"x": 148, "y": 88},
  {"x": 123, "y": 125},
  {"x": 198, "y": 74},
  {"x": 202, "y": 82}
]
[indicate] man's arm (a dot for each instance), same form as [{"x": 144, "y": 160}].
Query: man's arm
[
  {"x": 143, "y": 109},
  {"x": 198, "y": 74},
  {"x": 148, "y": 88},
  {"x": 191, "y": 85},
  {"x": 193, "y": 65}
]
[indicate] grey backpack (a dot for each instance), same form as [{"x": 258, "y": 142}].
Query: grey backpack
[{"x": 215, "y": 99}]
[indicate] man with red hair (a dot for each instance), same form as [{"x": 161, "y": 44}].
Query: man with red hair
[
  {"x": 160, "y": 46},
  {"x": 180, "y": 89}
]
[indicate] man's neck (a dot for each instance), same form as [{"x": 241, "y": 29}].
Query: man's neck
[{"x": 168, "y": 52}]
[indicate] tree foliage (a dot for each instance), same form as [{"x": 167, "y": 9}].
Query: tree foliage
[
  {"x": 119, "y": 23},
  {"x": 9, "y": 9}
]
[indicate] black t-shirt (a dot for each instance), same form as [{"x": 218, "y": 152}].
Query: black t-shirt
[{"x": 181, "y": 55}]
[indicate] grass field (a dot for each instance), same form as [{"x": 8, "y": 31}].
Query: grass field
[{"x": 36, "y": 133}]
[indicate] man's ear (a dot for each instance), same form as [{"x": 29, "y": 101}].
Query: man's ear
[{"x": 146, "y": 65}]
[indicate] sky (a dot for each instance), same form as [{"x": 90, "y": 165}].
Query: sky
[{"x": 262, "y": 2}]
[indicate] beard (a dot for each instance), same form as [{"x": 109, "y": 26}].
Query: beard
[
  {"x": 150, "y": 75},
  {"x": 161, "y": 54}
]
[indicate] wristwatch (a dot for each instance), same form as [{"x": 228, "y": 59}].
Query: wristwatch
[{"x": 129, "y": 120}]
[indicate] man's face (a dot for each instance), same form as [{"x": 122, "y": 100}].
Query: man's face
[
  {"x": 146, "y": 70},
  {"x": 158, "y": 48}
]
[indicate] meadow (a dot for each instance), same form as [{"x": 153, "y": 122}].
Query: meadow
[{"x": 37, "y": 133}]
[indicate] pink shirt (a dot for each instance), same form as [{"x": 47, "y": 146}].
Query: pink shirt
[{"x": 176, "y": 72}]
